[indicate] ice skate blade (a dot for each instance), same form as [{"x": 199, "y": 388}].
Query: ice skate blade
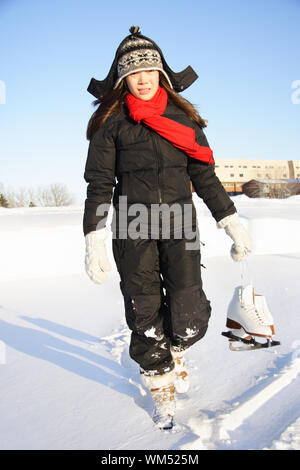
[
  {"x": 247, "y": 344},
  {"x": 247, "y": 347}
]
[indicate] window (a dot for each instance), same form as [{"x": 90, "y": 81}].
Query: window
[
  {"x": 241, "y": 174},
  {"x": 231, "y": 175}
]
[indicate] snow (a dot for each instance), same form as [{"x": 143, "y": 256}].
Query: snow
[
  {"x": 151, "y": 333},
  {"x": 66, "y": 378}
]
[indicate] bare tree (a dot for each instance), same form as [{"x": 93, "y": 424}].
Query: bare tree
[
  {"x": 60, "y": 195},
  {"x": 10, "y": 196},
  {"x": 32, "y": 197},
  {"x": 54, "y": 195},
  {"x": 21, "y": 197},
  {"x": 43, "y": 197}
]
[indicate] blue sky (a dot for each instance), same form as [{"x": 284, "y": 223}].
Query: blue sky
[{"x": 246, "y": 54}]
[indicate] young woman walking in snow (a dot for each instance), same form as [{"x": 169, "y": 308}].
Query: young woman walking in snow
[{"x": 147, "y": 143}]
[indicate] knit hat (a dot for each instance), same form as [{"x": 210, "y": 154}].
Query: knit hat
[{"x": 136, "y": 53}]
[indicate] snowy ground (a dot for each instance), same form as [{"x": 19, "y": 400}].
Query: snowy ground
[{"x": 67, "y": 381}]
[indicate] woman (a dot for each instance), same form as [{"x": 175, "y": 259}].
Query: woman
[{"x": 147, "y": 143}]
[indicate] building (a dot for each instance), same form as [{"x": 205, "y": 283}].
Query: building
[
  {"x": 234, "y": 172},
  {"x": 268, "y": 188}
]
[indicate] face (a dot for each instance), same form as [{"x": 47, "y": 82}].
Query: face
[{"x": 143, "y": 85}]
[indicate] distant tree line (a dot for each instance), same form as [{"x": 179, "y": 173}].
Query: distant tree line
[{"x": 53, "y": 195}]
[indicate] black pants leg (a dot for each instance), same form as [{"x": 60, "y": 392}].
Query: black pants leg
[
  {"x": 163, "y": 297},
  {"x": 186, "y": 306}
]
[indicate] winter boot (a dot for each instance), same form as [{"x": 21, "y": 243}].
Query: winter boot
[
  {"x": 182, "y": 381},
  {"x": 163, "y": 394}
]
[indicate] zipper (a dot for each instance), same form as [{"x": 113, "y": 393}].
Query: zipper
[
  {"x": 158, "y": 168},
  {"x": 158, "y": 179}
]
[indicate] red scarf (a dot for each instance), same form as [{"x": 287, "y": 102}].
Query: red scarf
[{"x": 150, "y": 112}]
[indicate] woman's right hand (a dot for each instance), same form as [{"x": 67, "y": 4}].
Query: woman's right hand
[
  {"x": 96, "y": 259},
  {"x": 237, "y": 232}
]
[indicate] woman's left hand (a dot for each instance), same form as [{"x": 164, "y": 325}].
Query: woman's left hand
[{"x": 237, "y": 232}]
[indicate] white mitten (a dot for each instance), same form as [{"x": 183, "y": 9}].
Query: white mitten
[
  {"x": 96, "y": 260},
  {"x": 235, "y": 229}
]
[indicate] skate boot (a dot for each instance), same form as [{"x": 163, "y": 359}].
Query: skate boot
[
  {"x": 163, "y": 394},
  {"x": 250, "y": 321},
  {"x": 182, "y": 380}
]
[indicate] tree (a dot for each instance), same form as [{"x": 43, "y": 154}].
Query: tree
[
  {"x": 53, "y": 195},
  {"x": 60, "y": 195},
  {"x": 3, "y": 201}
]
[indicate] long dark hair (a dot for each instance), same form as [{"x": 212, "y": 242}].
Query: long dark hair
[{"x": 113, "y": 101}]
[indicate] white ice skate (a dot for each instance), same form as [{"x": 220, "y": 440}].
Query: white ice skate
[{"x": 250, "y": 321}]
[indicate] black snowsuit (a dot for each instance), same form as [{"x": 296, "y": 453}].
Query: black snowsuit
[{"x": 160, "y": 279}]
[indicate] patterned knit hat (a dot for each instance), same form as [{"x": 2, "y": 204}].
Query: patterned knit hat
[
  {"x": 138, "y": 54},
  {"x": 135, "y": 53}
]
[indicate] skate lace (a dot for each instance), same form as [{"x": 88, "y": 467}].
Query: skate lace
[{"x": 254, "y": 313}]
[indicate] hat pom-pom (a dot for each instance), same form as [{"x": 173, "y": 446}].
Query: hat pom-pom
[{"x": 135, "y": 30}]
